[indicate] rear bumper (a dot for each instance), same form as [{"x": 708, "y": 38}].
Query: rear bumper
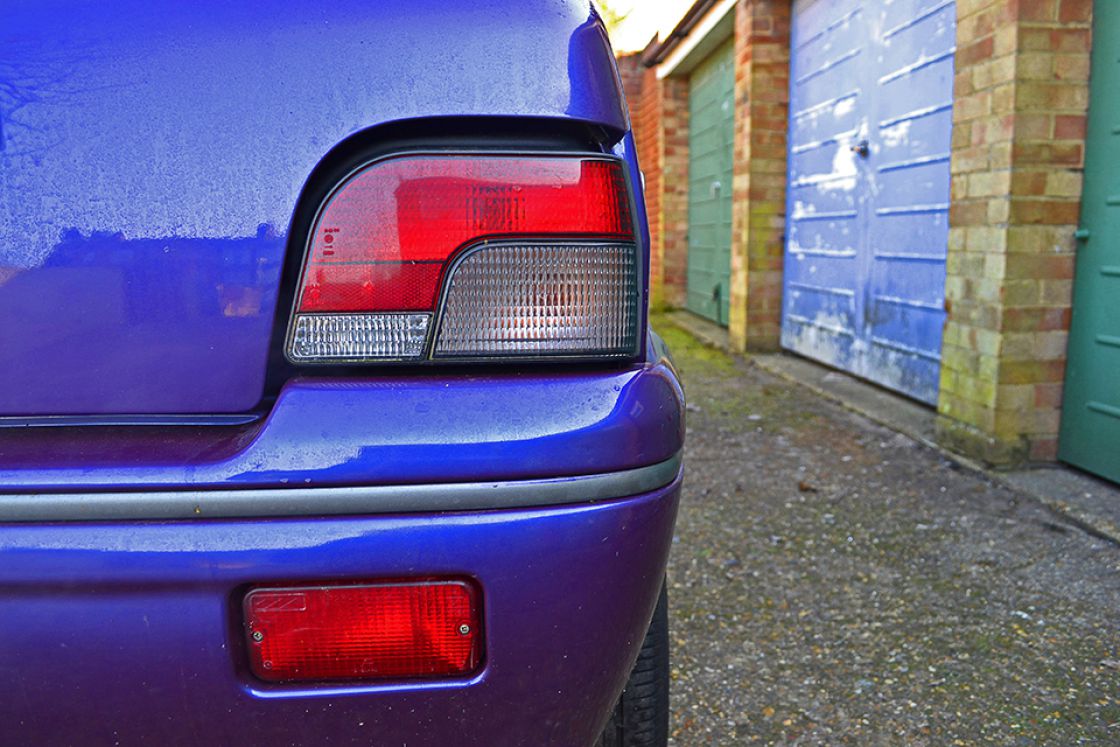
[{"x": 128, "y": 632}]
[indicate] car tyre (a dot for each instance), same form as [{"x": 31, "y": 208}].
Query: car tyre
[{"x": 641, "y": 717}]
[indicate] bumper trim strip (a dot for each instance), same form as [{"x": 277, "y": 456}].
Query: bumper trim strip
[{"x": 334, "y": 501}]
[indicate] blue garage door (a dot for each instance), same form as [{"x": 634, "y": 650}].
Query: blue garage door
[{"x": 871, "y": 96}]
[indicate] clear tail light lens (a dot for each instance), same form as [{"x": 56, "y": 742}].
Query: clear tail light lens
[
  {"x": 545, "y": 299},
  {"x": 319, "y": 337},
  {"x": 525, "y": 255}
]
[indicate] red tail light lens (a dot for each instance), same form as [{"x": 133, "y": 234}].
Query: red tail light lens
[
  {"x": 383, "y": 246},
  {"x": 369, "y": 632}
]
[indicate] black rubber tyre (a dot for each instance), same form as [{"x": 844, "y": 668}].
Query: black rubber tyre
[{"x": 641, "y": 718}]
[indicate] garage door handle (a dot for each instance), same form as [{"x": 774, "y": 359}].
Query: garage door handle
[
  {"x": 1081, "y": 234},
  {"x": 862, "y": 149}
]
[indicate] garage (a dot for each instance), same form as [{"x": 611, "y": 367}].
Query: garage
[
  {"x": 711, "y": 156},
  {"x": 1091, "y": 411},
  {"x": 871, "y": 99}
]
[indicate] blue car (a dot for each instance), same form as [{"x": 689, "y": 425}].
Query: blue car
[{"x": 329, "y": 410}]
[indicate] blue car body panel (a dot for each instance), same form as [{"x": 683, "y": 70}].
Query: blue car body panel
[
  {"x": 383, "y": 430},
  {"x": 129, "y": 634},
  {"x": 152, "y": 155}
]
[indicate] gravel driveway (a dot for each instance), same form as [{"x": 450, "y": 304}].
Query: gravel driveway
[{"x": 833, "y": 582}]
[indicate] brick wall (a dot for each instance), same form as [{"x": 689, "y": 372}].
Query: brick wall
[
  {"x": 759, "y": 189},
  {"x": 1021, "y": 93},
  {"x": 632, "y": 73},
  {"x": 659, "y": 117},
  {"x": 673, "y": 226}
]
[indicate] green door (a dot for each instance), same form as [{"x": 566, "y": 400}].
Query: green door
[
  {"x": 1090, "y": 435},
  {"x": 710, "y": 142}
]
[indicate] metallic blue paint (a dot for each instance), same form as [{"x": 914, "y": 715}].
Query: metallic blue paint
[
  {"x": 129, "y": 634},
  {"x": 374, "y": 431},
  {"x": 151, "y": 157},
  {"x": 152, "y": 154}
]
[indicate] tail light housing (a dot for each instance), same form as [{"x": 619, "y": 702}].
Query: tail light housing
[{"x": 428, "y": 257}]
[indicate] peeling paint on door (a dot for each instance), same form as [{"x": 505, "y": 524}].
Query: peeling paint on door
[{"x": 867, "y": 228}]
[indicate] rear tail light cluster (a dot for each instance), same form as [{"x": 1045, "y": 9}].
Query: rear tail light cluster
[
  {"x": 381, "y": 631},
  {"x": 471, "y": 257}
]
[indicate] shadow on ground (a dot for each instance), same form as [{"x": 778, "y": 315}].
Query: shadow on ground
[{"x": 833, "y": 582}]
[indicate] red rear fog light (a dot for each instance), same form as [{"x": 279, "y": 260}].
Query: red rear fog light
[{"x": 367, "y": 632}]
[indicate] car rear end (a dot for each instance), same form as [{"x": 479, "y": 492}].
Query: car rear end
[{"x": 328, "y": 408}]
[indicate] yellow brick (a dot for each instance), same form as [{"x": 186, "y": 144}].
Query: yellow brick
[
  {"x": 1015, "y": 397},
  {"x": 1021, "y": 292},
  {"x": 953, "y": 333},
  {"x": 965, "y": 160},
  {"x": 948, "y": 383},
  {"x": 954, "y": 286},
  {"x": 995, "y": 261},
  {"x": 1003, "y": 99},
  {"x": 1036, "y": 66},
  {"x": 989, "y": 183},
  {"x": 1063, "y": 184},
  {"x": 999, "y": 210},
  {"x": 1011, "y": 423},
  {"x": 985, "y": 341},
  {"x": 974, "y": 105},
  {"x": 958, "y": 187},
  {"x": 1072, "y": 67},
  {"x": 1004, "y": 41},
  {"x": 1002, "y": 69},
  {"x": 1025, "y": 239},
  {"x": 957, "y": 239},
  {"x": 959, "y": 359},
  {"x": 1056, "y": 292},
  {"x": 999, "y": 156},
  {"x": 982, "y": 75},
  {"x": 981, "y": 239},
  {"x": 985, "y": 289},
  {"x": 989, "y": 367}
]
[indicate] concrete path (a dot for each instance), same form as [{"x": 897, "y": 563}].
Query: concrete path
[
  {"x": 1079, "y": 497},
  {"x": 835, "y": 581}
]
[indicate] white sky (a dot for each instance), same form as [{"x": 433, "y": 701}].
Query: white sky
[{"x": 646, "y": 18}]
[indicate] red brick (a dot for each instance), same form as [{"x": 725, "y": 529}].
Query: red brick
[
  {"x": 1044, "y": 212},
  {"x": 975, "y": 52},
  {"x": 1053, "y": 154},
  {"x": 1070, "y": 127},
  {"x": 1036, "y": 319},
  {"x": 1028, "y": 183},
  {"x": 1075, "y": 11},
  {"x": 1038, "y": 10},
  {"x": 970, "y": 213},
  {"x": 1033, "y": 125},
  {"x": 1048, "y": 395},
  {"x": 1044, "y": 450}
]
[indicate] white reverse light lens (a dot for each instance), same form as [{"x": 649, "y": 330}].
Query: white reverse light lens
[
  {"x": 358, "y": 337},
  {"x": 541, "y": 299}
]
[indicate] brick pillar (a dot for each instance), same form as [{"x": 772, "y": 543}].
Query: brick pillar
[
  {"x": 1021, "y": 93},
  {"x": 672, "y": 224},
  {"x": 632, "y": 74},
  {"x": 759, "y": 191},
  {"x": 659, "y": 118}
]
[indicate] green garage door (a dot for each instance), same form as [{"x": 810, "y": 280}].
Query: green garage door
[
  {"x": 1091, "y": 412},
  {"x": 710, "y": 141}
]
